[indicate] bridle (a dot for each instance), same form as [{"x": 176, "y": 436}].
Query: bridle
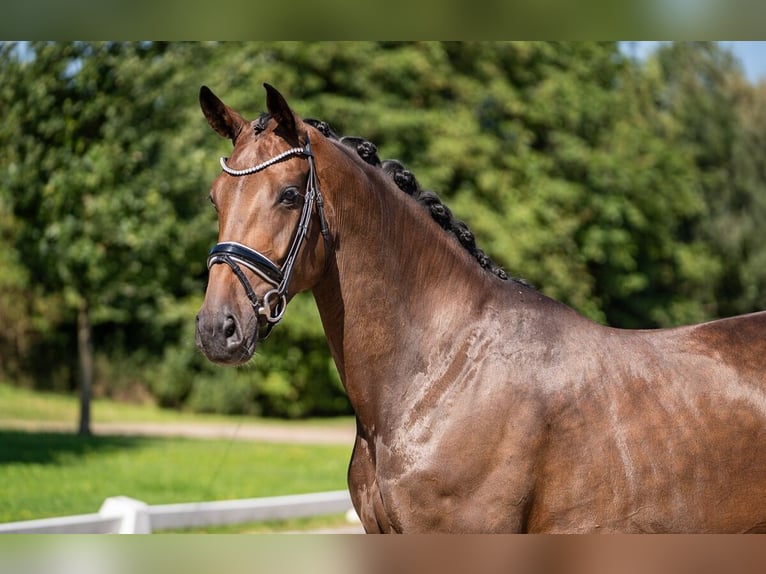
[{"x": 272, "y": 306}]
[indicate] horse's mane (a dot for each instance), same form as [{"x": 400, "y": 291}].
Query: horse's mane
[{"x": 405, "y": 180}]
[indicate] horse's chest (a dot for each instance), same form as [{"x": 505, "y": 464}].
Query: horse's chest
[{"x": 424, "y": 487}]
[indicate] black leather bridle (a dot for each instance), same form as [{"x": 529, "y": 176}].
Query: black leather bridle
[{"x": 272, "y": 306}]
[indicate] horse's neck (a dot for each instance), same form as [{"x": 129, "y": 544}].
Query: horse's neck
[{"x": 398, "y": 284}]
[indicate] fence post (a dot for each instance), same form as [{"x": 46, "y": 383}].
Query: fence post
[{"x": 134, "y": 514}]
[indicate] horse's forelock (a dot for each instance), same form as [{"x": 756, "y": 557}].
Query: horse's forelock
[{"x": 260, "y": 124}]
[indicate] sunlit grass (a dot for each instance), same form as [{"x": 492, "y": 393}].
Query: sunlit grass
[
  {"x": 24, "y": 404},
  {"x": 44, "y": 474},
  {"x": 49, "y": 474}
]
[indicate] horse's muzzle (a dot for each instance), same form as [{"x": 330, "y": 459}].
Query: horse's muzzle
[{"x": 224, "y": 339}]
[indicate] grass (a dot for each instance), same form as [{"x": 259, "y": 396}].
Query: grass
[
  {"x": 54, "y": 474},
  {"x": 47, "y": 474},
  {"x": 17, "y": 403},
  {"x": 23, "y": 404}
]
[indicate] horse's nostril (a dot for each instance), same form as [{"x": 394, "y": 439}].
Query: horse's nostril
[{"x": 229, "y": 327}]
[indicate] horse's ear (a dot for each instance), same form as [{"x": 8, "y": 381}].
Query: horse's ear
[
  {"x": 225, "y": 121},
  {"x": 280, "y": 111}
]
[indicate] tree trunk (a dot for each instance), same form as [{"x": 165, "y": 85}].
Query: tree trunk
[{"x": 85, "y": 353}]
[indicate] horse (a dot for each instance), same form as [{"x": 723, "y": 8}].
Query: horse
[{"x": 481, "y": 404}]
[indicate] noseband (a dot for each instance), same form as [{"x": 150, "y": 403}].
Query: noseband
[{"x": 272, "y": 306}]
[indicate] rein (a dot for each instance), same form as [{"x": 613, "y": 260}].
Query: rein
[{"x": 272, "y": 306}]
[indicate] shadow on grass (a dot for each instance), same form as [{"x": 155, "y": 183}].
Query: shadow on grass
[{"x": 49, "y": 447}]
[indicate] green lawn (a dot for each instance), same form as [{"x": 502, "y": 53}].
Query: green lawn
[
  {"x": 24, "y": 404},
  {"x": 50, "y": 474},
  {"x": 46, "y": 474}
]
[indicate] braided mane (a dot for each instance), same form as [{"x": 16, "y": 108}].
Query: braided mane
[{"x": 406, "y": 181}]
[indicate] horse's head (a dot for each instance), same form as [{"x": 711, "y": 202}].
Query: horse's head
[{"x": 266, "y": 197}]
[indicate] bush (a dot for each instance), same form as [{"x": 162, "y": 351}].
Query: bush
[
  {"x": 227, "y": 394},
  {"x": 292, "y": 376}
]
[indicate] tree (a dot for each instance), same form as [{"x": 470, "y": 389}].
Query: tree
[
  {"x": 556, "y": 154},
  {"x": 720, "y": 119},
  {"x": 631, "y": 191},
  {"x": 82, "y": 166}
]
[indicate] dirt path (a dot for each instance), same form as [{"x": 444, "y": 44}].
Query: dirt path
[{"x": 271, "y": 432}]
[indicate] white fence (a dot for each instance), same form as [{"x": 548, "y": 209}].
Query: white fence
[{"x": 124, "y": 515}]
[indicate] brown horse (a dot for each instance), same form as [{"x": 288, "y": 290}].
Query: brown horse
[{"x": 481, "y": 404}]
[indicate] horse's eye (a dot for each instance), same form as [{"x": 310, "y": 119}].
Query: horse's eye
[
  {"x": 212, "y": 201},
  {"x": 290, "y": 196}
]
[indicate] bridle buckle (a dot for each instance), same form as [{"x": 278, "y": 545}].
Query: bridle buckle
[{"x": 274, "y": 310}]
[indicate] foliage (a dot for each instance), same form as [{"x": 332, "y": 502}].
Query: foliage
[
  {"x": 633, "y": 191},
  {"x": 295, "y": 379},
  {"x": 721, "y": 121}
]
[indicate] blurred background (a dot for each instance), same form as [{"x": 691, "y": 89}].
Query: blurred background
[{"x": 626, "y": 179}]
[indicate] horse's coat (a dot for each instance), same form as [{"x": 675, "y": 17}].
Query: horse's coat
[{"x": 482, "y": 405}]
